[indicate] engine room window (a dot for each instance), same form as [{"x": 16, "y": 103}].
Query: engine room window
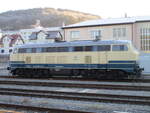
[
  {"x": 33, "y": 50},
  {"x": 22, "y": 50},
  {"x": 80, "y": 48},
  {"x": 38, "y": 50},
  {"x": 44, "y": 49},
  {"x": 119, "y": 48},
  {"x": 88, "y": 48},
  {"x": 62, "y": 49},
  {"x": 51, "y": 49},
  {"x": 104, "y": 48},
  {"x": 29, "y": 50}
]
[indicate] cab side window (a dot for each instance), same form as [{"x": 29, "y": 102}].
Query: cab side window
[{"x": 119, "y": 48}]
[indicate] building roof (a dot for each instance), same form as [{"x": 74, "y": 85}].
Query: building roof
[
  {"x": 110, "y": 21},
  {"x": 49, "y": 35},
  {"x": 10, "y": 32},
  {"x": 44, "y": 29},
  {"x": 13, "y": 38},
  {"x": 53, "y": 34},
  {"x": 75, "y": 43},
  {"x": 33, "y": 36}
]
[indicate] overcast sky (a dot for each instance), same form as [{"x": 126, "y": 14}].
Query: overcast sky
[{"x": 103, "y": 8}]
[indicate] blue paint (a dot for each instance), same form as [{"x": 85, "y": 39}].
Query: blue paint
[
  {"x": 117, "y": 61},
  {"x": 122, "y": 65},
  {"x": 17, "y": 62}
]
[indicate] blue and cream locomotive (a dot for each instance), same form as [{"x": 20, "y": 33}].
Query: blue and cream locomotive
[{"x": 97, "y": 59}]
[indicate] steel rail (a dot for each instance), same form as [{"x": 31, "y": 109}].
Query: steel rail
[
  {"x": 75, "y": 93},
  {"x": 34, "y": 108},
  {"x": 126, "y": 99},
  {"x": 78, "y": 85},
  {"x": 141, "y": 80}
]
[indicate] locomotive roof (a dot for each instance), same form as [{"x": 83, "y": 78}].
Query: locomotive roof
[{"x": 74, "y": 43}]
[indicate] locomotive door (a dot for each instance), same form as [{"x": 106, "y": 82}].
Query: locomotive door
[
  {"x": 28, "y": 60},
  {"x": 102, "y": 60},
  {"x": 88, "y": 61}
]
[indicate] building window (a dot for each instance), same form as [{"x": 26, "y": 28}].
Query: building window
[
  {"x": 114, "y": 32},
  {"x": 119, "y": 32},
  {"x": 145, "y": 39},
  {"x": 95, "y": 34},
  {"x": 124, "y": 32},
  {"x": 75, "y": 34}
]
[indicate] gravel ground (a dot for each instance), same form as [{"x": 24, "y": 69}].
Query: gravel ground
[
  {"x": 83, "y": 82},
  {"x": 76, "y": 105},
  {"x": 12, "y": 110},
  {"x": 9, "y": 111},
  {"x": 4, "y": 72},
  {"x": 80, "y": 90}
]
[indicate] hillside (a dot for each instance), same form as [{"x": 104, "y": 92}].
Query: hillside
[{"x": 49, "y": 17}]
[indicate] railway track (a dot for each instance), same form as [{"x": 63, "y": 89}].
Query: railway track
[
  {"x": 82, "y": 79},
  {"x": 40, "y": 109},
  {"x": 111, "y": 98},
  {"x": 68, "y": 95},
  {"x": 77, "y": 85}
]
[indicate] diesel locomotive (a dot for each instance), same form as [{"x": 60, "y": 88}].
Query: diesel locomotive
[{"x": 96, "y": 59}]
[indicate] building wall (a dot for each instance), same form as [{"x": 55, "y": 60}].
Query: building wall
[
  {"x": 41, "y": 38},
  {"x": 146, "y": 35},
  {"x": 106, "y": 32},
  {"x": 25, "y": 36},
  {"x": 133, "y": 33}
]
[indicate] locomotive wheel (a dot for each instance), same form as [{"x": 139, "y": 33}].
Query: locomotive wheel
[
  {"x": 75, "y": 72},
  {"x": 86, "y": 74}
]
